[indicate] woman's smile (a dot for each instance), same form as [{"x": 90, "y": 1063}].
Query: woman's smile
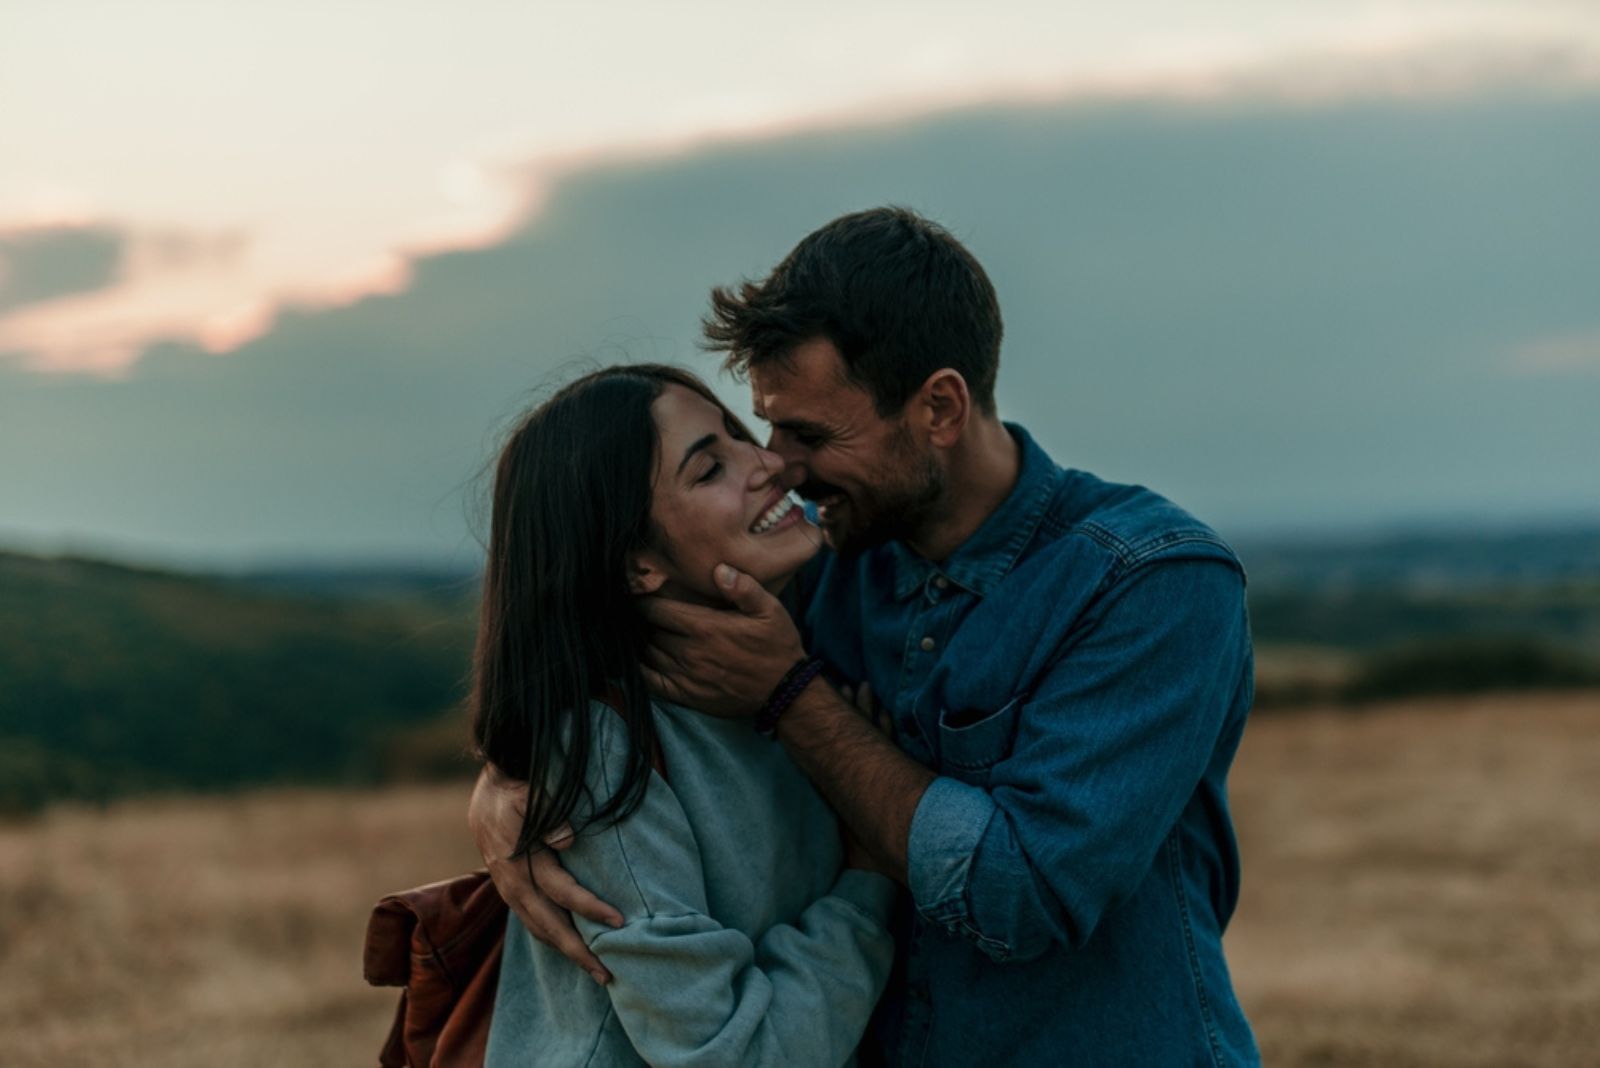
[
  {"x": 779, "y": 516},
  {"x": 718, "y": 499}
]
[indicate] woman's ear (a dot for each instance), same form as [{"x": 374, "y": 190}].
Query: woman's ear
[{"x": 645, "y": 574}]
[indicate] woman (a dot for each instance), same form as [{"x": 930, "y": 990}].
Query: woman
[{"x": 743, "y": 942}]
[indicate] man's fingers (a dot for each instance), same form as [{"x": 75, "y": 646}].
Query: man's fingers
[
  {"x": 557, "y": 884},
  {"x": 576, "y": 899},
  {"x": 543, "y": 919},
  {"x": 554, "y": 928},
  {"x": 744, "y": 592},
  {"x": 654, "y": 659},
  {"x": 666, "y": 651},
  {"x": 664, "y": 663},
  {"x": 672, "y": 616},
  {"x": 662, "y": 686},
  {"x": 560, "y": 838}
]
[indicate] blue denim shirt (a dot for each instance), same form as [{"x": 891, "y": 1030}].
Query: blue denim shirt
[{"x": 1077, "y": 674}]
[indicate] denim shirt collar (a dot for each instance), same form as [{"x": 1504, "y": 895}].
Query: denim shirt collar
[{"x": 984, "y": 558}]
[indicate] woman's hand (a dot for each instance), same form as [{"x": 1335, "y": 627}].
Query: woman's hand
[{"x": 536, "y": 887}]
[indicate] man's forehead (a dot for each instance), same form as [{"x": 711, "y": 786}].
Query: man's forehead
[
  {"x": 768, "y": 392},
  {"x": 810, "y": 385}
]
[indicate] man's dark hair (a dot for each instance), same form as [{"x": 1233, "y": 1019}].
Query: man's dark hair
[{"x": 896, "y": 294}]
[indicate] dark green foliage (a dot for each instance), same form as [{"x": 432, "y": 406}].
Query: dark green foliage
[
  {"x": 1401, "y": 642},
  {"x": 116, "y": 679},
  {"x": 1469, "y": 665},
  {"x": 1369, "y": 619},
  {"x": 1428, "y": 612}
]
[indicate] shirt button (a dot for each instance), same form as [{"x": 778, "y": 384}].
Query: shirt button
[
  {"x": 941, "y": 582},
  {"x": 927, "y": 645}
]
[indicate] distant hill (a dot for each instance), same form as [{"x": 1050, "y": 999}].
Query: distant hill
[
  {"x": 1430, "y": 559},
  {"x": 438, "y": 586},
  {"x": 116, "y": 679},
  {"x": 1369, "y": 593},
  {"x": 1425, "y": 611}
]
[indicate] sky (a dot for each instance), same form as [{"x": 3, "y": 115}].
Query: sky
[{"x": 271, "y": 276}]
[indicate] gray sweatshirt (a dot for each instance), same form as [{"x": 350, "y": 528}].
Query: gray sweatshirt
[{"x": 743, "y": 943}]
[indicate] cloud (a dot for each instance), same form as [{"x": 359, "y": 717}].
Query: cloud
[
  {"x": 436, "y": 179},
  {"x": 91, "y": 297},
  {"x": 1559, "y": 354},
  {"x": 1276, "y": 315},
  {"x": 1404, "y": 68},
  {"x": 44, "y": 263},
  {"x": 155, "y": 251}
]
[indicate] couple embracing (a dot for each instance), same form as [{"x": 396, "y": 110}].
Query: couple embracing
[{"x": 948, "y": 789}]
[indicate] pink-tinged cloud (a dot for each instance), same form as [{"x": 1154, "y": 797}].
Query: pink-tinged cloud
[
  {"x": 222, "y": 291},
  {"x": 130, "y": 287}
]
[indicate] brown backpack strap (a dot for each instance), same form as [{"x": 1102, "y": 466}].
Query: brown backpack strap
[
  {"x": 393, "y": 1053},
  {"x": 443, "y": 943}
]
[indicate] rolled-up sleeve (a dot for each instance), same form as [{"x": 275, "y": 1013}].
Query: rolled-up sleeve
[{"x": 1110, "y": 745}]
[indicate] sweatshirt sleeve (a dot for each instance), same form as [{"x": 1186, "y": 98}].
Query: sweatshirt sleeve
[{"x": 689, "y": 991}]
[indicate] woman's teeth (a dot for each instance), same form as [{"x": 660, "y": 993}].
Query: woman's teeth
[{"x": 770, "y": 517}]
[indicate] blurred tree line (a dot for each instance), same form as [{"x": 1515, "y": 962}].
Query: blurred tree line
[
  {"x": 118, "y": 680},
  {"x": 1363, "y": 643}
]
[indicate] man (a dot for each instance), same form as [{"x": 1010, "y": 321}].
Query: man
[{"x": 1066, "y": 663}]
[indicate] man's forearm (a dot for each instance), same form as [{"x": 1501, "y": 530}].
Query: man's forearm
[{"x": 871, "y": 784}]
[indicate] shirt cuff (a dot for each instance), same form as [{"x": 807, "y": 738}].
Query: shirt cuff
[
  {"x": 945, "y": 831},
  {"x": 868, "y": 891}
]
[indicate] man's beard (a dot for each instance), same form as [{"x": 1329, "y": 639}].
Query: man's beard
[{"x": 877, "y": 514}]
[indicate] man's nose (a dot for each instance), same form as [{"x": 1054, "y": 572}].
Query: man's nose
[
  {"x": 789, "y": 459},
  {"x": 784, "y": 446}
]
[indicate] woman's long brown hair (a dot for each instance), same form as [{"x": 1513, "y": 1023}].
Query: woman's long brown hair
[{"x": 559, "y": 627}]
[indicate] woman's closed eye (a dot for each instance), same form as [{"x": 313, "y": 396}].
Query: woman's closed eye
[{"x": 711, "y": 473}]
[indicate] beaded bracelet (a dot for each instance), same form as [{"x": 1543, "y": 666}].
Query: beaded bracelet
[{"x": 794, "y": 680}]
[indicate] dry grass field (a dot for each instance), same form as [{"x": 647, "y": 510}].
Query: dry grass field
[
  {"x": 1422, "y": 883},
  {"x": 1422, "y": 887}
]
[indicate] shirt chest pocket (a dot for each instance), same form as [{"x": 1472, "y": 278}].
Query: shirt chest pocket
[{"x": 973, "y": 740}]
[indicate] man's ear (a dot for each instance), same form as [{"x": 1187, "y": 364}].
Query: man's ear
[
  {"x": 945, "y": 406},
  {"x": 645, "y": 574}
]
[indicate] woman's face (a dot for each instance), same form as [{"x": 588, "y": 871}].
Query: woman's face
[{"x": 716, "y": 499}]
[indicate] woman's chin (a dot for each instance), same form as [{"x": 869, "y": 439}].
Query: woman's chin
[
  {"x": 773, "y": 575},
  {"x": 772, "y": 566},
  {"x": 777, "y": 569}
]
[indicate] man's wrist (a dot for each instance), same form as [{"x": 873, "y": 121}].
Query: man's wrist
[
  {"x": 789, "y": 687},
  {"x": 873, "y": 786},
  {"x": 812, "y": 710}
]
